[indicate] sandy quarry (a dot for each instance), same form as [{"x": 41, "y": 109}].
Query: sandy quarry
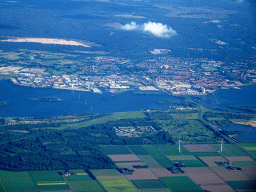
[{"x": 45, "y": 41}]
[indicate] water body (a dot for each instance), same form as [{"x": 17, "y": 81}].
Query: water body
[
  {"x": 249, "y": 132},
  {"x": 226, "y": 97},
  {"x": 18, "y": 103}
]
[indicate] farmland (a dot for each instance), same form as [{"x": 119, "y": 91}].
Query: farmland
[
  {"x": 49, "y": 180},
  {"x": 118, "y": 185},
  {"x": 176, "y": 184},
  {"x": 101, "y": 160},
  {"x": 149, "y": 168},
  {"x": 16, "y": 181}
]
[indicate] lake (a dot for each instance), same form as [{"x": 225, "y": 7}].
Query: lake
[
  {"x": 19, "y": 103},
  {"x": 227, "y": 97},
  {"x": 249, "y": 133}
]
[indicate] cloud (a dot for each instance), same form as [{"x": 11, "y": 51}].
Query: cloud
[
  {"x": 159, "y": 30},
  {"x": 240, "y": 1},
  {"x": 156, "y": 29},
  {"x": 130, "y": 27}
]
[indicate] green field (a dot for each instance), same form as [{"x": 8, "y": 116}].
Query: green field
[
  {"x": 155, "y": 190},
  {"x": 180, "y": 184},
  {"x": 250, "y": 147},
  {"x": 49, "y": 180},
  {"x": 80, "y": 181},
  {"x": 150, "y": 161},
  {"x": 115, "y": 150},
  {"x": 1, "y": 188},
  {"x": 158, "y": 156},
  {"x": 79, "y": 175},
  {"x": 148, "y": 184},
  {"x": 12, "y": 181},
  {"x": 216, "y": 118},
  {"x": 117, "y": 185},
  {"x": 105, "y": 172},
  {"x": 242, "y": 184},
  {"x": 244, "y": 163},
  {"x": 229, "y": 150},
  {"x": 172, "y": 150},
  {"x": 138, "y": 150},
  {"x": 102, "y": 120},
  {"x": 185, "y": 116},
  {"x": 85, "y": 186}
]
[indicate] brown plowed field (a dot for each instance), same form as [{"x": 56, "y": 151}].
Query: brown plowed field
[
  {"x": 139, "y": 174},
  {"x": 210, "y": 160},
  {"x": 203, "y": 176},
  {"x": 239, "y": 158},
  {"x": 129, "y": 165},
  {"x": 250, "y": 171},
  {"x": 199, "y": 148},
  {"x": 129, "y": 157},
  {"x": 162, "y": 172},
  {"x": 228, "y": 175},
  {"x": 217, "y": 188}
]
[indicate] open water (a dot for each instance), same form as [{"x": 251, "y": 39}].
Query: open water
[
  {"x": 18, "y": 103},
  {"x": 249, "y": 133}
]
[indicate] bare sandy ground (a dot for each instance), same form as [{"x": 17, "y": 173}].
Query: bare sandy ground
[
  {"x": 45, "y": 41},
  {"x": 148, "y": 88},
  {"x": 252, "y": 123}
]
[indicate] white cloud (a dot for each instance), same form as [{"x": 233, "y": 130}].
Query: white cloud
[
  {"x": 130, "y": 27},
  {"x": 157, "y": 29}
]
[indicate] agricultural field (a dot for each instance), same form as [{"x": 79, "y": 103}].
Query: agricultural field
[
  {"x": 85, "y": 186},
  {"x": 106, "y": 173},
  {"x": 242, "y": 184},
  {"x": 49, "y": 180},
  {"x": 149, "y": 168},
  {"x": 127, "y": 157},
  {"x": 138, "y": 150},
  {"x": 159, "y": 156},
  {"x": 176, "y": 184},
  {"x": 172, "y": 150},
  {"x": 249, "y": 147},
  {"x": 12, "y": 181},
  {"x": 140, "y": 174},
  {"x": 148, "y": 184},
  {"x": 150, "y": 161},
  {"x": 229, "y": 150},
  {"x": 117, "y": 185},
  {"x": 80, "y": 181},
  {"x": 197, "y": 158}
]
